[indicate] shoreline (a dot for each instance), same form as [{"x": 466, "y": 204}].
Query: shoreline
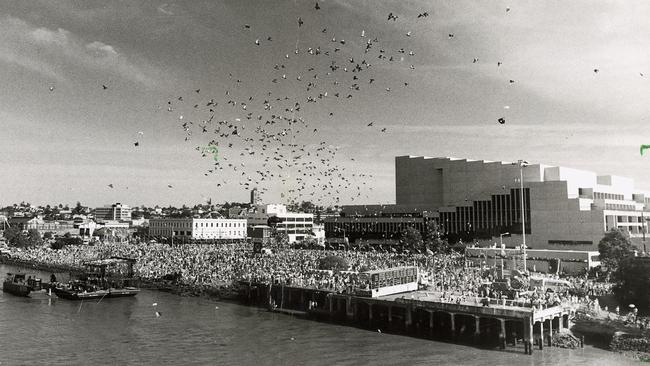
[
  {"x": 605, "y": 335},
  {"x": 223, "y": 293}
]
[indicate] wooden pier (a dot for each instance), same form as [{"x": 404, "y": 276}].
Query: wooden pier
[{"x": 499, "y": 324}]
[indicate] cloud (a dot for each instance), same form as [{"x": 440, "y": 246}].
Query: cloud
[
  {"x": 101, "y": 48},
  {"x": 58, "y": 53}
]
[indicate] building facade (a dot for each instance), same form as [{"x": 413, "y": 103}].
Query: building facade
[
  {"x": 563, "y": 208},
  {"x": 198, "y": 229},
  {"x": 115, "y": 212},
  {"x": 297, "y": 226}
]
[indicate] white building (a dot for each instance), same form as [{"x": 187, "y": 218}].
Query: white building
[
  {"x": 297, "y": 226},
  {"x": 199, "y": 229},
  {"x": 564, "y": 208},
  {"x": 115, "y": 212}
]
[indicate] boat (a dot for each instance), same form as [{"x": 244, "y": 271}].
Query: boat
[
  {"x": 104, "y": 278},
  {"x": 85, "y": 290},
  {"x": 17, "y": 284}
]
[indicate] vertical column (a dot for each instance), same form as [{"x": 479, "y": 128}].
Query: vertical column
[
  {"x": 330, "y": 305},
  {"x": 407, "y": 316},
  {"x": 550, "y": 332},
  {"x": 430, "y": 322},
  {"x": 528, "y": 335},
  {"x": 302, "y": 299},
  {"x": 560, "y": 324},
  {"x": 541, "y": 334},
  {"x": 349, "y": 312},
  {"x": 370, "y": 315},
  {"x": 453, "y": 324},
  {"x": 502, "y": 333},
  {"x": 477, "y": 328},
  {"x": 390, "y": 314}
]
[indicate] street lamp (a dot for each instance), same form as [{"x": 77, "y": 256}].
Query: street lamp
[
  {"x": 501, "y": 238},
  {"x": 502, "y": 251},
  {"x": 522, "y": 164},
  {"x": 643, "y": 228}
]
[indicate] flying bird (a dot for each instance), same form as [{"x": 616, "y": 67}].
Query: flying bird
[
  {"x": 392, "y": 17},
  {"x": 170, "y": 186},
  {"x": 300, "y": 22},
  {"x": 502, "y": 120},
  {"x": 423, "y": 15},
  {"x": 104, "y": 87},
  {"x": 111, "y": 185},
  {"x": 51, "y": 88},
  {"x": 317, "y": 7}
]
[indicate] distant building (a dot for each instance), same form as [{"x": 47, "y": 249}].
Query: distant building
[
  {"x": 237, "y": 213},
  {"x": 37, "y": 223},
  {"x": 297, "y": 226},
  {"x": 115, "y": 212},
  {"x": 198, "y": 229},
  {"x": 255, "y": 197}
]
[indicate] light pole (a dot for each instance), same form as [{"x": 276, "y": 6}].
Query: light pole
[
  {"x": 643, "y": 223},
  {"x": 522, "y": 164},
  {"x": 502, "y": 251}
]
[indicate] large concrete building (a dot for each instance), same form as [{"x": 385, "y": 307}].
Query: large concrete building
[
  {"x": 198, "y": 229},
  {"x": 563, "y": 208}
]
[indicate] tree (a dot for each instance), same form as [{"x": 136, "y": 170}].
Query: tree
[
  {"x": 412, "y": 239},
  {"x": 48, "y": 235},
  {"x": 632, "y": 282},
  {"x": 614, "y": 247},
  {"x": 433, "y": 238},
  {"x": 307, "y": 206},
  {"x": 334, "y": 263},
  {"x": 78, "y": 208},
  {"x": 34, "y": 237},
  {"x": 15, "y": 237}
]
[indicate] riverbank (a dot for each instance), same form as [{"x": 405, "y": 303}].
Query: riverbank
[
  {"x": 614, "y": 335},
  {"x": 223, "y": 292}
]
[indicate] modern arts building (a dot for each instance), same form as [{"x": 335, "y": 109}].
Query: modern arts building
[{"x": 563, "y": 208}]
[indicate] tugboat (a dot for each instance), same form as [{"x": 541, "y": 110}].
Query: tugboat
[
  {"x": 16, "y": 284},
  {"x": 111, "y": 277}
]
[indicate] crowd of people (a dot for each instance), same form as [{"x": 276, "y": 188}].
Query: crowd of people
[{"x": 447, "y": 276}]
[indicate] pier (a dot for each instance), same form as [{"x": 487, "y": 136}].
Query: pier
[{"x": 499, "y": 323}]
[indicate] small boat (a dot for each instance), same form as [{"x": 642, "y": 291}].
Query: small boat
[
  {"x": 83, "y": 290},
  {"x": 108, "y": 278},
  {"x": 16, "y": 284}
]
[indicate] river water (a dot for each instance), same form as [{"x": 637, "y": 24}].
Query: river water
[{"x": 196, "y": 331}]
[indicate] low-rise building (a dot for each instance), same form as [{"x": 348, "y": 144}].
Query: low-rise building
[
  {"x": 297, "y": 226},
  {"x": 198, "y": 229}
]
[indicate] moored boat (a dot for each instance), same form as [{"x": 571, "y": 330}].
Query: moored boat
[
  {"x": 16, "y": 284},
  {"x": 106, "y": 278}
]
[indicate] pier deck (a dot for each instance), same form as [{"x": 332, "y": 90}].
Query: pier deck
[{"x": 422, "y": 313}]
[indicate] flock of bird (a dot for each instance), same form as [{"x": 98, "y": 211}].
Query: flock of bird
[{"x": 270, "y": 126}]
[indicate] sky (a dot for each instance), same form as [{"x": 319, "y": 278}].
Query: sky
[{"x": 64, "y": 137}]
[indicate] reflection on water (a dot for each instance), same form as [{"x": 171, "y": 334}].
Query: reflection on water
[{"x": 195, "y": 331}]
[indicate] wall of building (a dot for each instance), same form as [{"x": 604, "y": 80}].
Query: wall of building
[{"x": 199, "y": 229}]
